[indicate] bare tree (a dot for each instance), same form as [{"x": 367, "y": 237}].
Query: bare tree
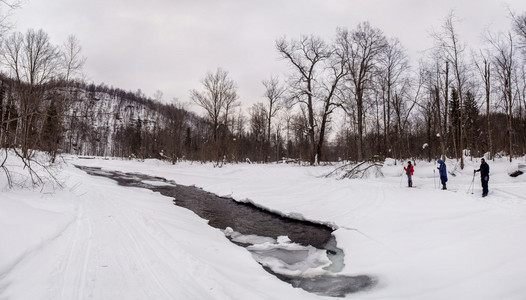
[
  {"x": 504, "y": 65},
  {"x": 159, "y": 95},
  {"x": 317, "y": 72},
  {"x": 71, "y": 58},
  {"x": 218, "y": 95},
  {"x": 228, "y": 116},
  {"x": 331, "y": 88},
  {"x": 363, "y": 49},
  {"x": 30, "y": 58},
  {"x": 6, "y": 7},
  {"x": 405, "y": 97},
  {"x": 305, "y": 57},
  {"x": 520, "y": 87},
  {"x": 218, "y": 98},
  {"x": 274, "y": 93},
  {"x": 434, "y": 75},
  {"x": 449, "y": 42},
  {"x": 32, "y": 61},
  {"x": 394, "y": 66},
  {"x": 70, "y": 64},
  {"x": 519, "y": 27},
  {"x": 258, "y": 115},
  {"x": 483, "y": 65}
]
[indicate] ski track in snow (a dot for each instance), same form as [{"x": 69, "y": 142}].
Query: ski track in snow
[
  {"x": 83, "y": 262},
  {"x": 79, "y": 251},
  {"x": 514, "y": 205},
  {"x": 523, "y": 198},
  {"x": 117, "y": 244}
]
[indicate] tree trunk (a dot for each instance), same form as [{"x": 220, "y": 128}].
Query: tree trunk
[
  {"x": 510, "y": 116},
  {"x": 488, "y": 90},
  {"x": 446, "y": 105},
  {"x": 359, "y": 146}
]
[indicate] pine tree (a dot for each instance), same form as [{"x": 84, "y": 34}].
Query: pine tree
[
  {"x": 454, "y": 119},
  {"x": 137, "y": 139},
  {"x": 52, "y": 131},
  {"x": 471, "y": 125}
]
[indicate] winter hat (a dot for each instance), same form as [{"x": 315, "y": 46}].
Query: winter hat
[{"x": 482, "y": 159}]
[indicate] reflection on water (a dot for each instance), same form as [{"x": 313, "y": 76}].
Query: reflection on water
[{"x": 296, "y": 251}]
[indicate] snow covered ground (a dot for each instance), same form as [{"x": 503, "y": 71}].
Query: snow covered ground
[{"x": 93, "y": 239}]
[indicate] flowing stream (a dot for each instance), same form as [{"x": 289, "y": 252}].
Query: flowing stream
[{"x": 302, "y": 253}]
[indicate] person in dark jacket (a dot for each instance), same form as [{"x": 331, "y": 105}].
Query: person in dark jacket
[
  {"x": 484, "y": 176},
  {"x": 409, "y": 172},
  {"x": 443, "y": 173}
]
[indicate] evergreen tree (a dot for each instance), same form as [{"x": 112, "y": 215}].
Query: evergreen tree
[
  {"x": 136, "y": 142},
  {"x": 52, "y": 132},
  {"x": 454, "y": 119},
  {"x": 471, "y": 125}
]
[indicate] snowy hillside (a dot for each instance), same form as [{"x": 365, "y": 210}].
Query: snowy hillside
[
  {"x": 95, "y": 239},
  {"x": 99, "y": 116}
]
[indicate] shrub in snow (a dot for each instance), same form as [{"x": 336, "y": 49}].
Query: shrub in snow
[
  {"x": 390, "y": 162},
  {"x": 19, "y": 172},
  {"x": 366, "y": 169}
]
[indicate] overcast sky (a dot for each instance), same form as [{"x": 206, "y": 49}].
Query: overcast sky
[{"x": 170, "y": 45}]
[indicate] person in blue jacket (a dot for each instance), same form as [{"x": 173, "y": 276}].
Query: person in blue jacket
[
  {"x": 443, "y": 173},
  {"x": 484, "y": 176}
]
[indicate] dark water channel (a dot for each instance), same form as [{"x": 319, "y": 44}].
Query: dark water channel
[{"x": 308, "y": 258}]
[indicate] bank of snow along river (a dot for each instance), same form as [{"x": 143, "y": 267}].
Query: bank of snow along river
[{"x": 299, "y": 252}]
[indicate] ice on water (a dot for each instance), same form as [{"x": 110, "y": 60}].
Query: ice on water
[
  {"x": 283, "y": 256},
  {"x": 157, "y": 183}
]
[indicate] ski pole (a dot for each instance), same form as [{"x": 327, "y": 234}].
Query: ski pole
[
  {"x": 435, "y": 178},
  {"x": 471, "y": 185}
]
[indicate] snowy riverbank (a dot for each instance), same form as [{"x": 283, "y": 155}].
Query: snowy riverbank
[{"x": 96, "y": 239}]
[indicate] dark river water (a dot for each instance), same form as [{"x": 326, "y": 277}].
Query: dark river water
[{"x": 243, "y": 222}]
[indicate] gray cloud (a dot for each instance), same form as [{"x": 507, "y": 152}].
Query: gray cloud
[{"x": 169, "y": 45}]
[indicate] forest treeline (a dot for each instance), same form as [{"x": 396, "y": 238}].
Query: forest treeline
[
  {"x": 354, "y": 98},
  {"x": 361, "y": 91}
]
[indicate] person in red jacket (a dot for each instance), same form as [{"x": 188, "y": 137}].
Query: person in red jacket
[{"x": 409, "y": 171}]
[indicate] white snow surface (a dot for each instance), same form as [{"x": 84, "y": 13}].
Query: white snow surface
[{"x": 93, "y": 239}]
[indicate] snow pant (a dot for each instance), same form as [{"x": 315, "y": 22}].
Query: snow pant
[
  {"x": 484, "y": 186},
  {"x": 409, "y": 180},
  {"x": 443, "y": 179}
]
